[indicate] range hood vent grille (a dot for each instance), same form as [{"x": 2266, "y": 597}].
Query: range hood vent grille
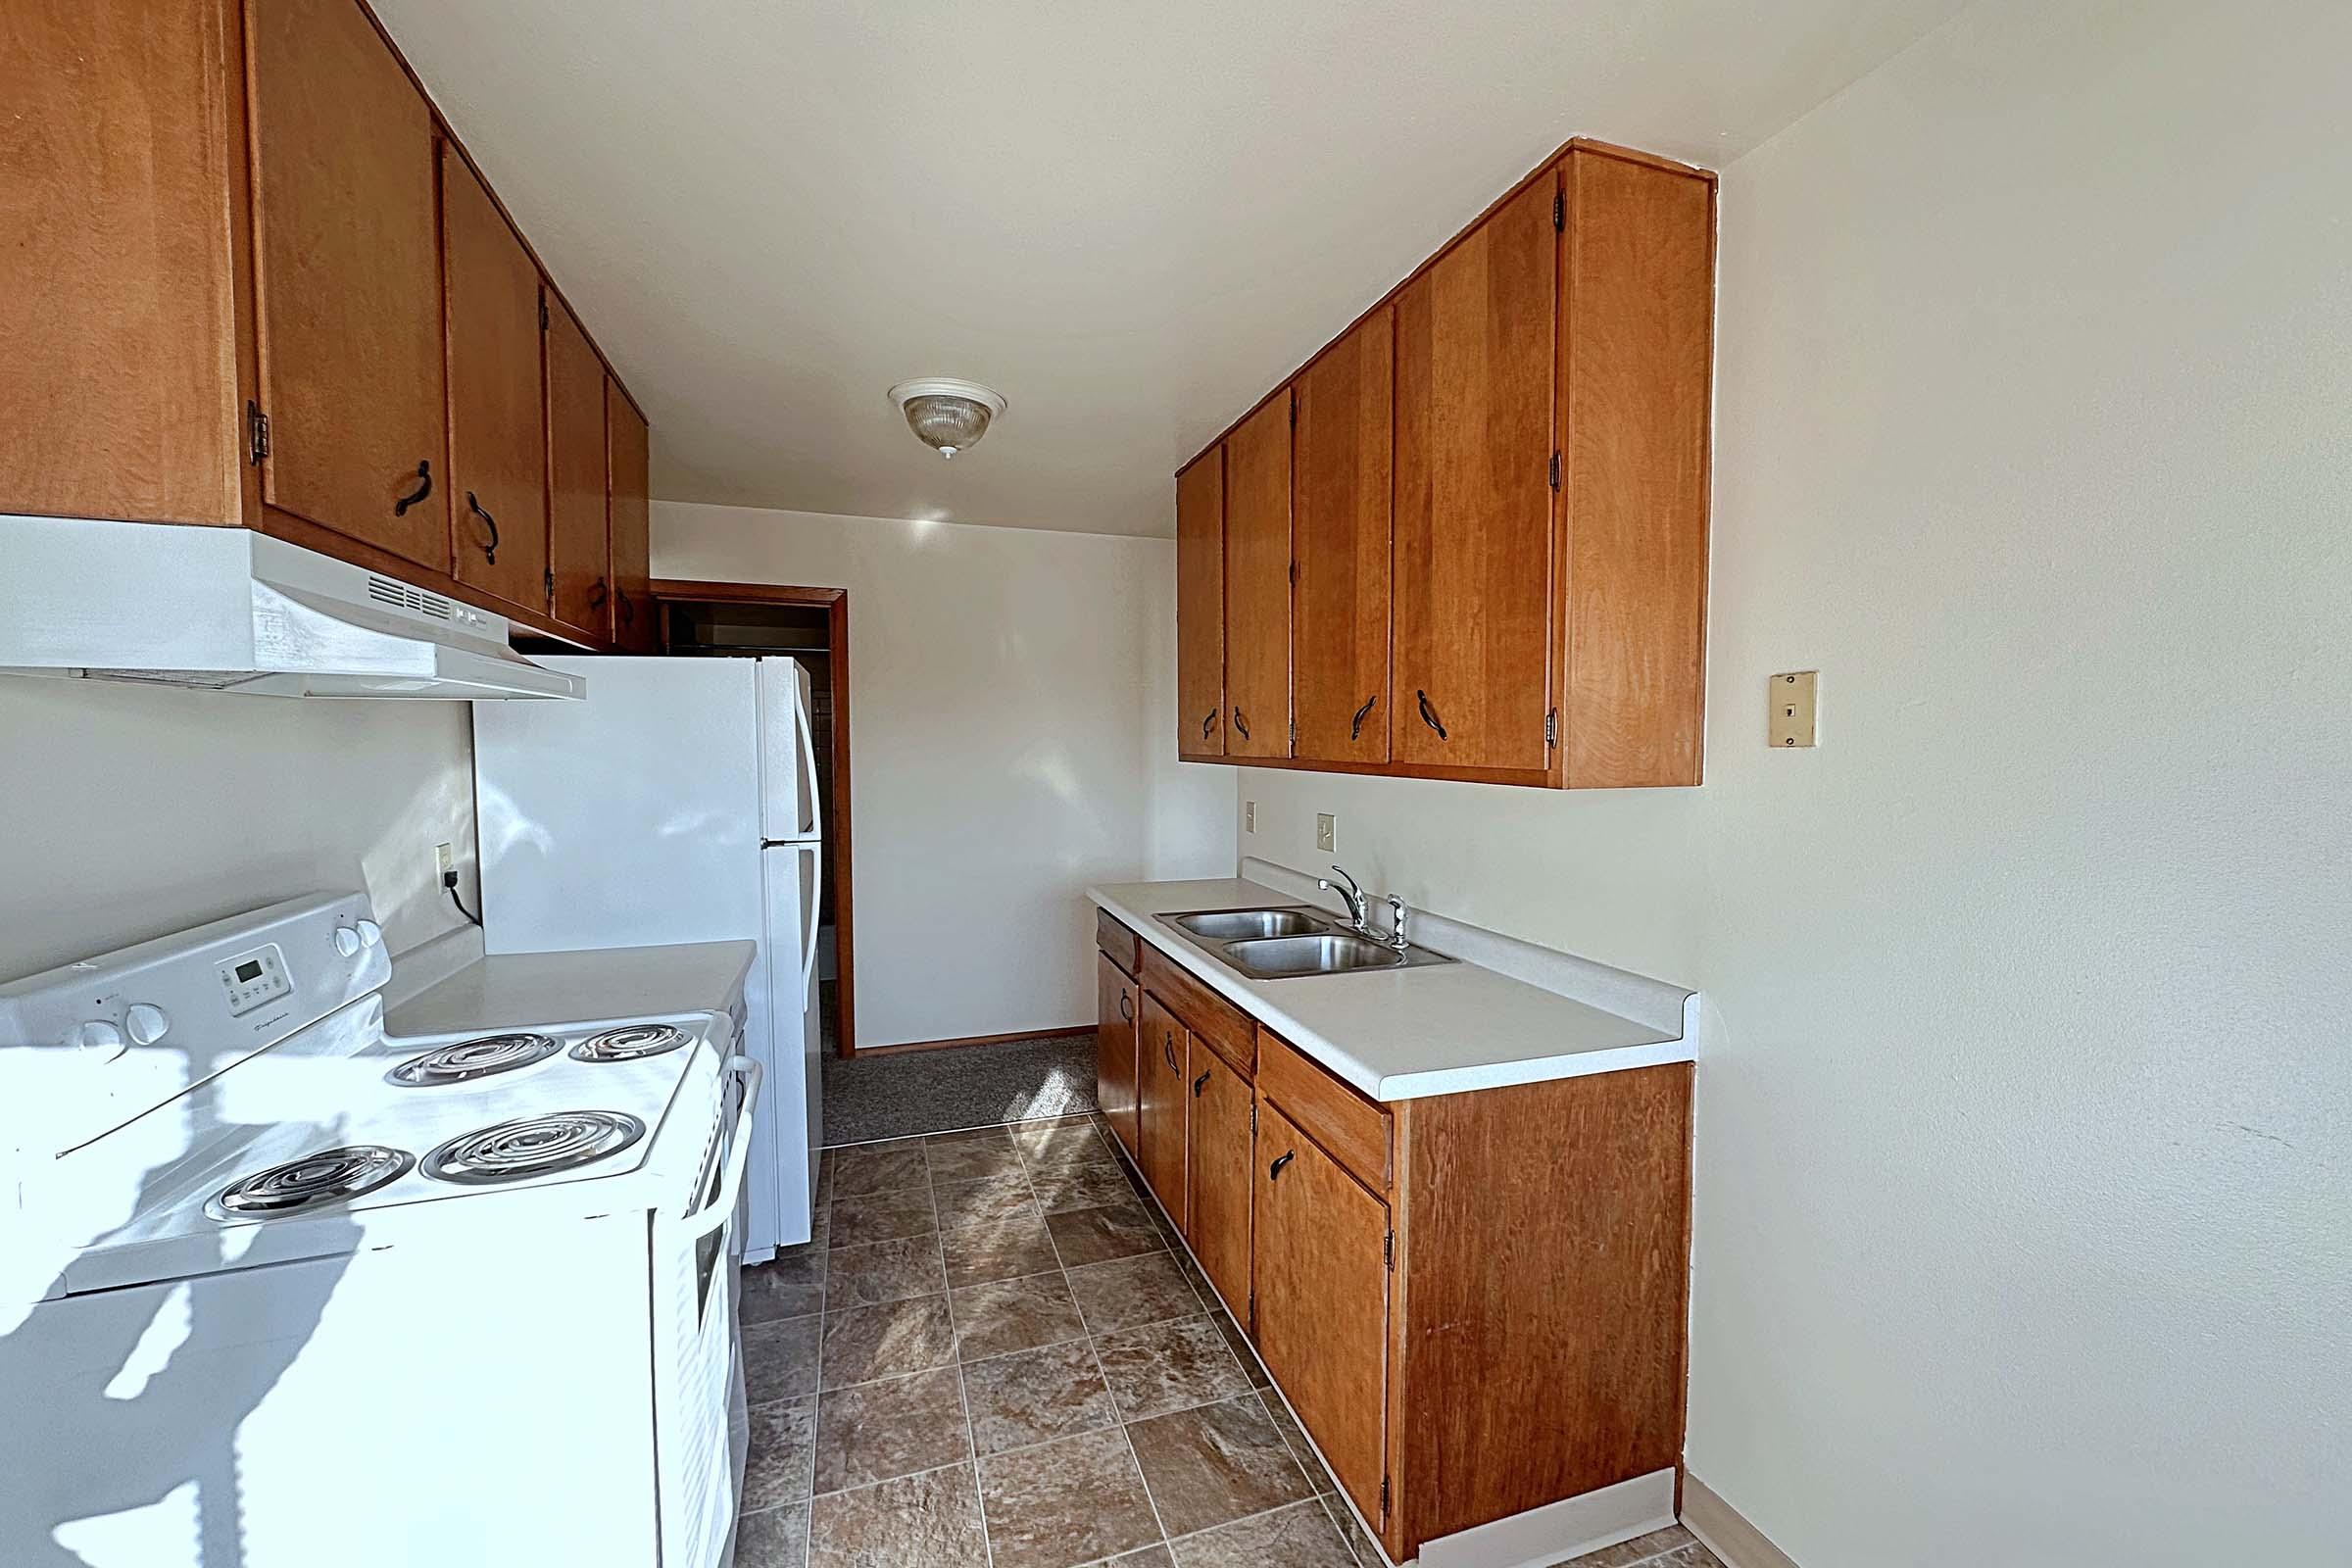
[{"x": 399, "y": 595}]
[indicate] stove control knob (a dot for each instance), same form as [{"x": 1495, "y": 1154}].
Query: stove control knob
[
  {"x": 98, "y": 1037},
  {"x": 370, "y": 933},
  {"x": 347, "y": 940},
  {"x": 146, "y": 1023}
]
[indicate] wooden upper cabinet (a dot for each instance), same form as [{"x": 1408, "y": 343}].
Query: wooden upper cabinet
[
  {"x": 1217, "y": 1194},
  {"x": 625, "y": 447},
  {"x": 1472, "y": 575},
  {"x": 1637, "y": 352},
  {"x": 1323, "y": 1302},
  {"x": 496, "y": 434},
  {"x": 579, "y": 551},
  {"x": 118, "y": 395},
  {"x": 347, "y": 280},
  {"x": 1340, "y": 525},
  {"x": 1200, "y": 606},
  {"x": 1258, "y": 583},
  {"x": 1161, "y": 1046}
]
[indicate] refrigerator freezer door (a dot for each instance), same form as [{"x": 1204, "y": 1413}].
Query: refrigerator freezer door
[
  {"x": 792, "y": 1095},
  {"x": 788, "y": 810}
]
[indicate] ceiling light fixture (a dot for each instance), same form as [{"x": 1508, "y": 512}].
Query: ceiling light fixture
[{"x": 946, "y": 415}]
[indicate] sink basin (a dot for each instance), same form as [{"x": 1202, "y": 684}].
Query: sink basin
[
  {"x": 1235, "y": 925},
  {"x": 1327, "y": 952}
]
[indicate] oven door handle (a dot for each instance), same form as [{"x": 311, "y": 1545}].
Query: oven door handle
[{"x": 711, "y": 1215}]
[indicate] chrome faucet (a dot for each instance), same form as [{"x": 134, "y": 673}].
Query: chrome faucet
[
  {"x": 1396, "y": 937},
  {"x": 1359, "y": 907}
]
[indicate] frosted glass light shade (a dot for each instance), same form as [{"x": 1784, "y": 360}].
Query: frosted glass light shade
[{"x": 945, "y": 415}]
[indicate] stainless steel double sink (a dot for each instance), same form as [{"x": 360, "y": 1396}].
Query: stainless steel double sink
[{"x": 1287, "y": 942}]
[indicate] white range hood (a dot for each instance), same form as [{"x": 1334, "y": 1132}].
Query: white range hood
[{"x": 232, "y": 609}]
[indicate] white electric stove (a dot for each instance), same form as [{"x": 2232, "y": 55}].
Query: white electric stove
[{"x": 279, "y": 1289}]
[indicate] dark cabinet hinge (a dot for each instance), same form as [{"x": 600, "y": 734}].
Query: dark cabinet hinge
[
  {"x": 1388, "y": 1251},
  {"x": 1293, "y": 737},
  {"x": 1552, "y": 728},
  {"x": 542, "y": 313},
  {"x": 549, "y": 579},
  {"x": 1556, "y": 470},
  {"x": 1254, "y": 1128},
  {"x": 1294, "y": 411},
  {"x": 1560, "y": 211},
  {"x": 1383, "y": 1503},
  {"x": 257, "y": 432}
]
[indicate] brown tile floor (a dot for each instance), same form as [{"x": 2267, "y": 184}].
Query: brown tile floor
[{"x": 992, "y": 1356}]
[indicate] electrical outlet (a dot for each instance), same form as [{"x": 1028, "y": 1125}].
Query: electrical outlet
[
  {"x": 1790, "y": 714},
  {"x": 1327, "y": 833},
  {"x": 1249, "y": 816},
  {"x": 445, "y": 858}
]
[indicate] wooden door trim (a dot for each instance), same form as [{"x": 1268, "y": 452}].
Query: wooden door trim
[{"x": 836, "y": 604}]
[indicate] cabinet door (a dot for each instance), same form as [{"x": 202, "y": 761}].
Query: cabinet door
[
  {"x": 1322, "y": 1281},
  {"x": 1257, "y": 584},
  {"x": 347, "y": 280},
  {"x": 1339, "y": 521},
  {"x": 1473, "y": 527},
  {"x": 1160, "y": 1104},
  {"x": 579, "y": 543},
  {"x": 625, "y": 447},
  {"x": 1114, "y": 1051},
  {"x": 497, "y": 437},
  {"x": 1200, "y": 606},
  {"x": 1217, "y": 1142},
  {"x": 117, "y": 393}
]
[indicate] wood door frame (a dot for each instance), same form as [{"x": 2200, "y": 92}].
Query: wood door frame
[{"x": 835, "y": 602}]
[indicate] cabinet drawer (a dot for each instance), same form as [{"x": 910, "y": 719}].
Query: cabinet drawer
[
  {"x": 1354, "y": 1129},
  {"x": 1227, "y": 1029},
  {"x": 1113, "y": 938}
]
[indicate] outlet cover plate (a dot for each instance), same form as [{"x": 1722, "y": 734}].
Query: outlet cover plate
[{"x": 1791, "y": 712}]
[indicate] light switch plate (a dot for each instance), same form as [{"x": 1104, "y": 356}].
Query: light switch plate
[
  {"x": 1249, "y": 816},
  {"x": 1327, "y": 832},
  {"x": 1790, "y": 719}
]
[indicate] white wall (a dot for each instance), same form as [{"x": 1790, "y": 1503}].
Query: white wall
[
  {"x": 2025, "y": 1139},
  {"x": 132, "y": 811},
  {"x": 1011, "y": 739}
]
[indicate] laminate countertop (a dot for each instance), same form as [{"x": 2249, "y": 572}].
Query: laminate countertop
[
  {"x": 526, "y": 990},
  {"x": 1405, "y": 1033}
]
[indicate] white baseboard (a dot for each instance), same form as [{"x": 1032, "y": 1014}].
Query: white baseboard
[
  {"x": 1726, "y": 1532},
  {"x": 1561, "y": 1529}
]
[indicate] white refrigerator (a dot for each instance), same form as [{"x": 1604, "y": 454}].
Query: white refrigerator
[{"x": 676, "y": 803}]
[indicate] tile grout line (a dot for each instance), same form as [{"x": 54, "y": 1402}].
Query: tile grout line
[
  {"x": 1093, "y": 1351},
  {"x": 963, "y": 1392}
]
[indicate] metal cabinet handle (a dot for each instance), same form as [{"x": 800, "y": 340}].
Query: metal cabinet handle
[
  {"x": 1241, "y": 722},
  {"x": 1356, "y": 725},
  {"x": 1208, "y": 721},
  {"x": 1274, "y": 1170},
  {"x": 490, "y": 549},
  {"x": 1168, "y": 1048},
  {"x": 1126, "y": 1008},
  {"x": 1428, "y": 715},
  {"x": 628, "y": 616},
  {"x": 597, "y": 595},
  {"x": 1199, "y": 1084},
  {"x": 424, "y": 471}
]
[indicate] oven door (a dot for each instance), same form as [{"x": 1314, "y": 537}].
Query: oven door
[{"x": 703, "y": 1430}]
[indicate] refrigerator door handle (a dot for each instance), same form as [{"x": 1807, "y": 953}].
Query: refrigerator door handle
[
  {"x": 817, "y": 898},
  {"x": 800, "y": 716}
]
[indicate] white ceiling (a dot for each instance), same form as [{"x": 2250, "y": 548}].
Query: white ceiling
[{"x": 1131, "y": 220}]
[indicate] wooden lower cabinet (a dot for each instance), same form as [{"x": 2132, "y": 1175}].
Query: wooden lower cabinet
[
  {"x": 1160, "y": 1096},
  {"x": 1117, "y": 998},
  {"x": 1322, "y": 1319},
  {"x": 1218, "y": 1165},
  {"x": 1475, "y": 1302}
]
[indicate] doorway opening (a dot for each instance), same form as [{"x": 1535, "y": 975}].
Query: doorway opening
[{"x": 813, "y": 626}]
